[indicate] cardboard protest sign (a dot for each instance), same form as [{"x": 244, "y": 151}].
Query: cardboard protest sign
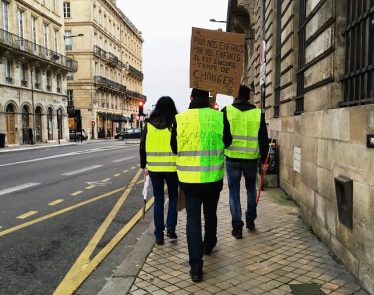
[{"x": 216, "y": 61}]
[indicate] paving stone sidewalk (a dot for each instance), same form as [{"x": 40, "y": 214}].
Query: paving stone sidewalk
[{"x": 279, "y": 255}]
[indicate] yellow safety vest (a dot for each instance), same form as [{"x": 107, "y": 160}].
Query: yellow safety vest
[
  {"x": 200, "y": 146},
  {"x": 160, "y": 157},
  {"x": 244, "y": 127}
]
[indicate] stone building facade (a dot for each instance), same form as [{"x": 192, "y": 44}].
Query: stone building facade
[
  {"x": 33, "y": 69},
  {"x": 317, "y": 87},
  {"x": 104, "y": 94}
]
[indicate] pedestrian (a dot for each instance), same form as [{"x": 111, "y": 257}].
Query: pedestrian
[
  {"x": 198, "y": 139},
  {"x": 157, "y": 160},
  {"x": 249, "y": 145},
  {"x": 31, "y": 136}
]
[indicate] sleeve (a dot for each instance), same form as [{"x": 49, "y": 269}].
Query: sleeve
[
  {"x": 142, "y": 151},
  {"x": 227, "y": 137},
  {"x": 173, "y": 139},
  {"x": 263, "y": 139}
]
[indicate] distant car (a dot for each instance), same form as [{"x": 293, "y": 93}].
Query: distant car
[
  {"x": 129, "y": 134},
  {"x": 75, "y": 134}
]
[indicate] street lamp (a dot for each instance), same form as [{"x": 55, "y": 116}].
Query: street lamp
[
  {"x": 217, "y": 21},
  {"x": 73, "y": 36}
]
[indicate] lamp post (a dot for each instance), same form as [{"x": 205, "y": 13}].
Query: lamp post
[
  {"x": 33, "y": 106},
  {"x": 73, "y": 36}
]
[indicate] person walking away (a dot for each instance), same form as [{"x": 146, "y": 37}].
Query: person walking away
[
  {"x": 199, "y": 137},
  {"x": 31, "y": 136},
  {"x": 249, "y": 145},
  {"x": 157, "y": 159}
]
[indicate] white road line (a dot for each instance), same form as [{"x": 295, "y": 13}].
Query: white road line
[
  {"x": 123, "y": 159},
  {"x": 82, "y": 170},
  {"x": 17, "y": 188}
]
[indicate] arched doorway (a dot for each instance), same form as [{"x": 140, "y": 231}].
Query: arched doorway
[
  {"x": 50, "y": 123},
  {"x": 59, "y": 123},
  {"x": 10, "y": 124},
  {"x": 25, "y": 125},
  {"x": 38, "y": 124}
]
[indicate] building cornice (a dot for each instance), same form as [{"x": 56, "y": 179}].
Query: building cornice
[{"x": 38, "y": 12}]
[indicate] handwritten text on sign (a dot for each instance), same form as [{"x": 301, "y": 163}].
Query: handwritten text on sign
[{"x": 216, "y": 61}]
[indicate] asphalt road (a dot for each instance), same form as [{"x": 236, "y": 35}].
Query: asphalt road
[{"x": 54, "y": 201}]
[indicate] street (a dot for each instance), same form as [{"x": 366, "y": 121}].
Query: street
[{"x": 56, "y": 201}]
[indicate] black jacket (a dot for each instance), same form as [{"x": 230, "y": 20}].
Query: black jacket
[
  {"x": 198, "y": 103},
  {"x": 245, "y": 105},
  {"x": 157, "y": 122}
]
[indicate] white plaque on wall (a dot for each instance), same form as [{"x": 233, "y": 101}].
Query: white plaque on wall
[{"x": 297, "y": 159}]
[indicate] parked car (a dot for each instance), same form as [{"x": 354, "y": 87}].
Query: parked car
[
  {"x": 75, "y": 134},
  {"x": 129, "y": 133}
]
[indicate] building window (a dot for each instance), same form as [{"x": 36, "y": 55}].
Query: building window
[
  {"x": 5, "y": 12},
  {"x": 45, "y": 37},
  {"x": 9, "y": 71},
  {"x": 23, "y": 75},
  {"x": 33, "y": 32},
  {"x": 54, "y": 5},
  {"x": 58, "y": 80},
  {"x": 300, "y": 91},
  {"x": 21, "y": 26},
  {"x": 37, "y": 78},
  {"x": 70, "y": 98},
  {"x": 55, "y": 41},
  {"x": 358, "y": 80},
  {"x": 67, "y": 9},
  {"x": 69, "y": 76},
  {"x": 49, "y": 81},
  {"x": 278, "y": 51},
  {"x": 68, "y": 41}
]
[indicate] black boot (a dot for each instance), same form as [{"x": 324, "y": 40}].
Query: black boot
[
  {"x": 196, "y": 273},
  {"x": 250, "y": 224}
]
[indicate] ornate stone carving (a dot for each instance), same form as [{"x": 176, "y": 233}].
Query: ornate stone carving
[{"x": 249, "y": 5}]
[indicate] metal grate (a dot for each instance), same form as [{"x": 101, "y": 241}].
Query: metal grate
[
  {"x": 358, "y": 81},
  {"x": 301, "y": 60},
  {"x": 278, "y": 47}
]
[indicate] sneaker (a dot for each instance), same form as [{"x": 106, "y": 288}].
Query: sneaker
[
  {"x": 160, "y": 242},
  {"x": 237, "y": 233},
  {"x": 250, "y": 224},
  {"x": 172, "y": 235}
]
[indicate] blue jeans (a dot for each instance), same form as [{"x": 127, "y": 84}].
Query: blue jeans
[
  {"x": 194, "y": 199},
  {"x": 234, "y": 174},
  {"x": 158, "y": 182}
]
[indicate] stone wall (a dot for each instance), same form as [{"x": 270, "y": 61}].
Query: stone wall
[{"x": 331, "y": 140}]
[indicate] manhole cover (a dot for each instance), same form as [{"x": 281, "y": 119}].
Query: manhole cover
[{"x": 306, "y": 289}]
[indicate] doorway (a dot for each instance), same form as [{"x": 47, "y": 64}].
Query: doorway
[
  {"x": 38, "y": 125},
  {"x": 10, "y": 124}
]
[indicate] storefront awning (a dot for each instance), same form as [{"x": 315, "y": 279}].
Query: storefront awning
[{"x": 114, "y": 117}]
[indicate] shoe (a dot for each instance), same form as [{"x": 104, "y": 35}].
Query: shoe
[
  {"x": 237, "y": 233},
  {"x": 160, "y": 242},
  {"x": 196, "y": 274},
  {"x": 171, "y": 234},
  {"x": 250, "y": 224}
]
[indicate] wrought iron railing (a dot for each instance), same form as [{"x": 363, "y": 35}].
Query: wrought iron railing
[
  {"x": 109, "y": 84},
  {"x": 134, "y": 94},
  {"x": 100, "y": 51},
  {"x": 36, "y": 51},
  {"x": 136, "y": 72},
  {"x": 358, "y": 81}
]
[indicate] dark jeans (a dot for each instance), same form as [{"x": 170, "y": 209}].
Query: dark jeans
[
  {"x": 194, "y": 199},
  {"x": 234, "y": 173},
  {"x": 158, "y": 182}
]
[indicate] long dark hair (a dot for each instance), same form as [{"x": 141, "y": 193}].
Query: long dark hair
[{"x": 165, "y": 107}]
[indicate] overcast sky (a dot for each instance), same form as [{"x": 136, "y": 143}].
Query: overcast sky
[{"x": 166, "y": 27}]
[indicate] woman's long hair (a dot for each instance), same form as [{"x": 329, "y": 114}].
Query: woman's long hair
[{"x": 165, "y": 108}]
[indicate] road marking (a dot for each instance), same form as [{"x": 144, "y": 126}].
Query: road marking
[
  {"x": 106, "y": 180},
  {"x": 25, "y": 215},
  {"x": 90, "y": 186},
  {"x": 116, "y": 175},
  {"x": 17, "y": 188},
  {"x": 123, "y": 159},
  {"x": 97, "y": 183},
  {"x": 78, "y": 272},
  {"x": 76, "y": 193},
  {"x": 59, "y": 212},
  {"x": 58, "y": 201},
  {"x": 82, "y": 170},
  {"x": 124, "y": 171},
  {"x": 133, "y": 167}
]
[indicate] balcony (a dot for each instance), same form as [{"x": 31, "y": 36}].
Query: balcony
[
  {"x": 99, "y": 51},
  {"x": 109, "y": 85},
  {"x": 133, "y": 94},
  {"x": 9, "y": 80},
  {"x": 138, "y": 74},
  {"x": 9, "y": 41},
  {"x": 114, "y": 59}
]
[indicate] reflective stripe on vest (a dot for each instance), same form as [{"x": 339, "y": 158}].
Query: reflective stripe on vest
[
  {"x": 200, "y": 146},
  {"x": 160, "y": 158},
  {"x": 244, "y": 127}
]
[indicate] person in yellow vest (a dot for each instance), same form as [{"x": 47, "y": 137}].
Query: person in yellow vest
[
  {"x": 198, "y": 139},
  {"x": 249, "y": 145},
  {"x": 157, "y": 159}
]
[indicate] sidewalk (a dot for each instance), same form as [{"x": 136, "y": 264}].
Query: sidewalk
[{"x": 281, "y": 257}]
